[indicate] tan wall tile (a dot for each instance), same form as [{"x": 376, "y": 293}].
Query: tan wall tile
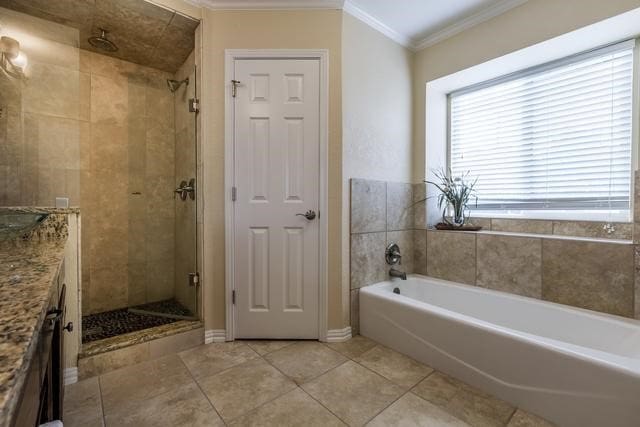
[
  {"x": 596, "y": 229},
  {"x": 101, "y": 363},
  {"x": 420, "y": 251},
  {"x": 534, "y": 226},
  {"x": 368, "y": 265},
  {"x": 176, "y": 343},
  {"x": 596, "y": 276},
  {"x": 355, "y": 311},
  {"x": 400, "y": 212},
  {"x": 420, "y": 206},
  {"x": 510, "y": 264},
  {"x": 368, "y": 205},
  {"x": 159, "y": 279},
  {"x": 52, "y": 90},
  {"x": 451, "y": 255},
  {"x": 109, "y": 288}
]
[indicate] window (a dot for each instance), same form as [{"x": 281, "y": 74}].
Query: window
[{"x": 551, "y": 141}]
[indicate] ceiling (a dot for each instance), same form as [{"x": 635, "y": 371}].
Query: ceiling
[
  {"x": 413, "y": 23},
  {"x": 145, "y": 33},
  {"x": 419, "y": 23}
]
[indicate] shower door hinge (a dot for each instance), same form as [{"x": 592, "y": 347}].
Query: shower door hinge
[
  {"x": 194, "y": 279},
  {"x": 194, "y": 105},
  {"x": 234, "y": 194},
  {"x": 233, "y": 297}
]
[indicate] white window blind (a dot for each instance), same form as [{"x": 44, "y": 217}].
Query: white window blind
[{"x": 554, "y": 137}]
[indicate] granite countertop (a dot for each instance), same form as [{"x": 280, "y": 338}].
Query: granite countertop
[
  {"x": 28, "y": 269},
  {"x": 39, "y": 209}
]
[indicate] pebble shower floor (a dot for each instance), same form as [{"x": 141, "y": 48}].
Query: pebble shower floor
[{"x": 109, "y": 324}]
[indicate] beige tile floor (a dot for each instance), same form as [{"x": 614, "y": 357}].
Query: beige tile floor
[{"x": 285, "y": 383}]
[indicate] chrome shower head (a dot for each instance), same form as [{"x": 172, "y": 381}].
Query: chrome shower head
[
  {"x": 175, "y": 84},
  {"x": 101, "y": 42}
]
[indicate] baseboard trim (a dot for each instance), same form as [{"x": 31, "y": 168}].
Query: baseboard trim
[
  {"x": 215, "y": 335},
  {"x": 70, "y": 376},
  {"x": 339, "y": 335}
]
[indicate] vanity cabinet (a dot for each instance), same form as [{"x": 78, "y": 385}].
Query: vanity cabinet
[{"x": 43, "y": 392}]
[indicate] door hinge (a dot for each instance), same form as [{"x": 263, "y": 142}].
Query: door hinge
[
  {"x": 194, "y": 105},
  {"x": 234, "y": 87},
  {"x": 234, "y": 194},
  {"x": 233, "y": 297}
]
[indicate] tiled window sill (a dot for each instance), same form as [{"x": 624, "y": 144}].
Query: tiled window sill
[{"x": 540, "y": 236}]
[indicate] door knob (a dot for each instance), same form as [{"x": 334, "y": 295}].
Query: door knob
[{"x": 310, "y": 215}]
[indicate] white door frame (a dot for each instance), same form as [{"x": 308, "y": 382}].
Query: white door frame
[{"x": 231, "y": 55}]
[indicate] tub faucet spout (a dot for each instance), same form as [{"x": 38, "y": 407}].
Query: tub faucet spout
[{"x": 396, "y": 273}]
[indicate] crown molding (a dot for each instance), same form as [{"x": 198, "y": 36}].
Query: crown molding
[
  {"x": 268, "y": 4},
  {"x": 376, "y": 24},
  {"x": 468, "y": 22}
]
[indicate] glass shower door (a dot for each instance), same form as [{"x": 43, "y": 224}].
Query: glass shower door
[{"x": 187, "y": 277}]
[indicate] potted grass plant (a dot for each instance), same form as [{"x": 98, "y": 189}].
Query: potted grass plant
[{"x": 454, "y": 197}]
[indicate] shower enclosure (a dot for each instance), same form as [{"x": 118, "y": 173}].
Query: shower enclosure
[
  {"x": 103, "y": 118},
  {"x": 162, "y": 276}
]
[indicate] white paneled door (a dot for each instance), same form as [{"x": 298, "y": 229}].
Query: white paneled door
[{"x": 277, "y": 180}]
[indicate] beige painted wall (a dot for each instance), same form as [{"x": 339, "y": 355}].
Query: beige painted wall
[
  {"x": 376, "y": 108},
  {"x": 318, "y": 29},
  {"x": 526, "y": 25}
]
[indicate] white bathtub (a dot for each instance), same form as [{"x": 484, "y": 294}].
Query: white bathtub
[{"x": 571, "y": 366}]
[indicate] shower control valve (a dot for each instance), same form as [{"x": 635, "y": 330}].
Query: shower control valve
[{"x": 392, "y": 254}]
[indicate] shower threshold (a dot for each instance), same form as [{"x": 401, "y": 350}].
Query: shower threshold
[
  {"x": 170, "y": 309},
  {"x": 108, "y": 324}
]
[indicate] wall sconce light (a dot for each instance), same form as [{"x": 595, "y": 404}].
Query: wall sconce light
[{"x": 12, "y": 60}]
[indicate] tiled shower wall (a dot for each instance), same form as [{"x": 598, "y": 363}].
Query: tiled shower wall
[
  {"x": 127, "y": 190},
  {"x": 569, "y": 262},
  {"x": 96, "y": 130}
]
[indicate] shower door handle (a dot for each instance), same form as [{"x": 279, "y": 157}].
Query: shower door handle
[{"x": 185, "y": 189}]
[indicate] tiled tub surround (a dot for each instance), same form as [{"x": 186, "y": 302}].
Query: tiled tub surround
[
  {"x": 597, "y": 275},
  {"x": 569, "y": 262},
  {"x": 381, "y": 213},
  {"x": 28, "y": 269},
  {"x": 574, "y": 367},
  {"x": 285, "y": 383}
]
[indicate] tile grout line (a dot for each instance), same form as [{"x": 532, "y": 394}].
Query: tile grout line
[
  {"x": 397, "y": 385},
  {"x": 515, "y": 409},
  {"x": 268, "y": 352},
  {"x": 259, "y": 356},
  {"x": 206, "y": 396},
  {"x": 309, "y": 379},
  {"x": 104, "y": 417},
  {"x": 375, "y": 373},
  {"x": 270, "y": 400},
  {"x": 225, "y": 369},
  {"x": 320, "y": 403}
]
